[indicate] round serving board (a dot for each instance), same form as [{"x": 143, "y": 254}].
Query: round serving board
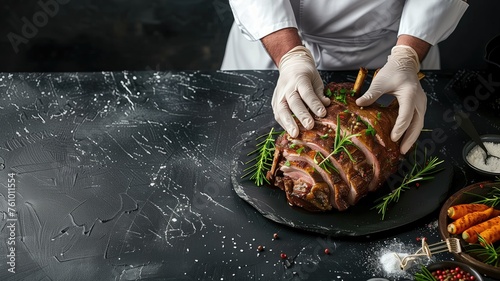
[{"x": 358, "y": 220}]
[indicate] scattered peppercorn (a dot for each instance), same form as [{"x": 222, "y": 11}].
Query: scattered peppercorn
[
  {"x": 275, "y": 236},
  {"x": 283, "y": 256},
  {"x": 260, "y": 248},
  {"x": 452, "y": 274},
  {"x": 327, "y": 251}
]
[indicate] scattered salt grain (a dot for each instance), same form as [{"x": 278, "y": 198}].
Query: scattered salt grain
[
  {"x": 476, "y": 157},
  {"x": 390, "y": 262},
  {"x": 382, "y": 262}
]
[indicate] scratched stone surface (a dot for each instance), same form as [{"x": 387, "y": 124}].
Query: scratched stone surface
[{"x": 126, "y": 176}]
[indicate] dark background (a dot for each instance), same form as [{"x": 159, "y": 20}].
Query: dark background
[{"x": 92, "y": 35}]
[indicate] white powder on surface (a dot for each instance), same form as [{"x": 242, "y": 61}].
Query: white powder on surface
[
  {"x": 476, "y": 157},
  {"x": 391, "y": 263},
  {"x": 382, "y": 263}
]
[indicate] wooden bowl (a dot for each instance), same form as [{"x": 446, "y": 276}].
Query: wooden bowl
[
  {"x": 461, "y": 197},
  {"x": 453, "y": 264}
]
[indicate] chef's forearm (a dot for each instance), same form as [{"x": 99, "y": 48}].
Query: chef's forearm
[
  {"x": 419, "y": 45},
  {"x": 280, "y": 42}
]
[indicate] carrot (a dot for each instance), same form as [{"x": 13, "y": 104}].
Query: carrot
[
  {"x": 470, "y": 234},
  {"x": 495, "y": 213},
  {"x": 458, "y": 211},
  {"x": 469, "y": 220},
  {"x": 491, "y": 235}
]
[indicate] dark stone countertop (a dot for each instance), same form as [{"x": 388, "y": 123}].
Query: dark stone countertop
[{"x": 127, "y": 176}]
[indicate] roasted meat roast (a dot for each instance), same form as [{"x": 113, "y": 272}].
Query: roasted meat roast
[{"x": 347, "y": 155}]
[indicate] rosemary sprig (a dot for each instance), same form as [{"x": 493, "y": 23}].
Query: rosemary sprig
[
  {"x": 424, "y": 275},
  {"x": 492, "y": 199},
  {"x": 262, "y": 162},
  {"x": 325, "y": 163},
  {"x": 487, "y": 251},
  {"x": 340, "y": 143},
  {"x": 417, "y": 173}
]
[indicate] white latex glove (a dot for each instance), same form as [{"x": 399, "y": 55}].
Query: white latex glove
[
  {"x": 399, "y": 78},
  {"x": 299, "y": 84}
]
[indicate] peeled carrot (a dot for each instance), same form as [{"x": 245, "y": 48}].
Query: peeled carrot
[
  {"x": 495, "y": 213},
  {"x": 491, "y": 235},
  {"x": 458, "y": 211},
  {"x": 469, "y": 220},
  {"x": 470, "y": 234}
]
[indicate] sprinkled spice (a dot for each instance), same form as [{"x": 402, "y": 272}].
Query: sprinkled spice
[
  {"x": 390, "y": 262},
  {"x": 275, "y": 236},
  {"x": 383, "y": 259},
  {"x": 283, "y": 256}
]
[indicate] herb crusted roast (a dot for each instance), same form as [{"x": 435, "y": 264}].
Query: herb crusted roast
[{"x": 345, "y": 156}]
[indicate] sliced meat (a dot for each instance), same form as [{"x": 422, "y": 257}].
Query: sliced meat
[{"x": 317, "y": 175}]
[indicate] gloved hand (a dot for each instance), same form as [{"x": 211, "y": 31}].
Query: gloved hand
[
  {"x": 399, "y": 77},
  {"x": 299, "y": 82}
]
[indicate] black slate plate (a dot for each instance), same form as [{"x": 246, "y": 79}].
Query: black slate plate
[{"x": 358, "y": 220}]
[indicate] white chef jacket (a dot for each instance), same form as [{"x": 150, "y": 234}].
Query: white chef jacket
[{"x": 341, "y": 34}]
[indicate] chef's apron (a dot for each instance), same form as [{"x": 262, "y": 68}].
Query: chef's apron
[{"x": 341, "y": 34}]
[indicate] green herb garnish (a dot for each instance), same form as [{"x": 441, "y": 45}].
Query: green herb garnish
[
  {"x": 492, "y": 199},
  {"x": 370, "y": 130},
  {"x": 325, "y": 163},
  {"x": 418, "y": 173},
  {"x": 340, "y": 143},
  {"x": 262, "y": 162},
  {"x": 299, "y": 151},
  {"x": 340, "y": 95},
  {"x": 489, "y": 254},
  {"x": 424, "y": 275},
  {"x": 328, "y": 93},
  {"x": 325, "y": 136}
]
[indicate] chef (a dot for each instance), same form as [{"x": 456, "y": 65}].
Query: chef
[{"x": 301, "y": 36}]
